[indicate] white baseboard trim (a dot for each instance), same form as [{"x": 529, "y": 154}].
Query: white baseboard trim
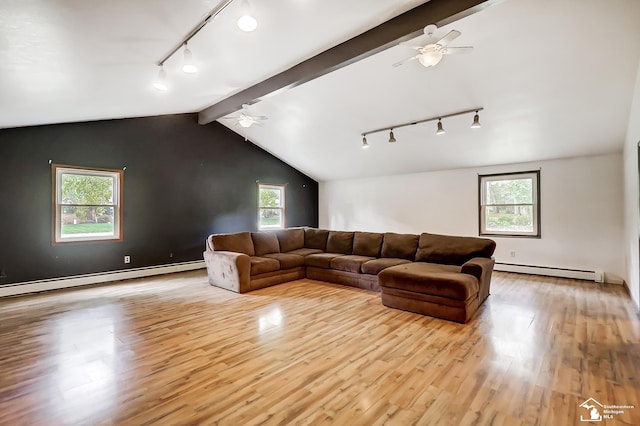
[
  {"x": 104, "y": 277},
  {"x": 597, "y": 276}
]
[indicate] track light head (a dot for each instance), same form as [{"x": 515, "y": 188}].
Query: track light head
[
  {"x": 161, "y": 81},
  {"x": 246, "y": 22},
  {"x": 440, "y": 130},
  {"x": 391, "y": 137},
  {"x": 187, "y": 65},
  {"x": 365, "y": 145},
  {"x": 476, "y": 121}
]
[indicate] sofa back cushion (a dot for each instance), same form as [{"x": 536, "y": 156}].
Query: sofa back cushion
[
  {"x": 290, "y": 239},
  {"x": 451, "y": 250},
  {"x": 401, "y": 246},
  {"x": 265, "y": 242},
  {"x": 315, "y": 238},
  {"x": 340, "y": 242},
  {"x": 367, "y": 244},
  {"x": 240, "y": 242}
]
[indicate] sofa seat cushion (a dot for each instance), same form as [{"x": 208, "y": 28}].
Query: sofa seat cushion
[
  {"x": 349, "y": 263},
  {"x": 305, "y": 251},
  {"x": 374, "y": 266},
  {"x": 287, "y": 260},
  {"x": 320, "y": 260},
  {"x": 432, "y": 279},
  {"x": 261, "y": 265}
]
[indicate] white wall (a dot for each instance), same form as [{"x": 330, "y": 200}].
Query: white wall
[
  {"x": 631, "y": 197},
  {"x": 581, "y": 210}
]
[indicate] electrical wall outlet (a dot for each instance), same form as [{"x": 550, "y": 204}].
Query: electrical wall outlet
[
  {"x": 512, "y": 253},
  {"x": 127, "y": 259}
]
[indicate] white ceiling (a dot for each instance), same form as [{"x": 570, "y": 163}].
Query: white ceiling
[{"x": 555, "y": 77}]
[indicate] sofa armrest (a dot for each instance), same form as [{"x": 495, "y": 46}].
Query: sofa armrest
[
  {"x": 228, "y": 270},
  {"x": 481, "y": 268}
]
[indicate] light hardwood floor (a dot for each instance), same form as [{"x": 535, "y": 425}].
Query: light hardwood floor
[{"x": 174, "y": 350}]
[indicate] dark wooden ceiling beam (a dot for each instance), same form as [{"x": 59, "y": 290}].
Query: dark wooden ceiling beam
[{"x": 388, "y": 34}]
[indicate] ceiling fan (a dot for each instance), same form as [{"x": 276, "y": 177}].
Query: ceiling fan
[
  {"x": 430, "y": 54},
  {"x": 245, "y": 119}
]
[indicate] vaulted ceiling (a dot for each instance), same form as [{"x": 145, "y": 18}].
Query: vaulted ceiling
[{"x": 555, "y": 78}]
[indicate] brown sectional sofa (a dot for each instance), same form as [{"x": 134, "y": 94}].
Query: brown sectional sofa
[{"x": 438, "y": 275}]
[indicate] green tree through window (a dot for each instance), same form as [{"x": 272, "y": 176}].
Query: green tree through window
[
  {"x": 509, "y": 204},
  {"x": 87, "y": 204},
  {"x": 270, "y": 206}
]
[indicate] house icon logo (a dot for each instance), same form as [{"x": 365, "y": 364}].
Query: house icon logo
[{"x": 592, "y": 413}]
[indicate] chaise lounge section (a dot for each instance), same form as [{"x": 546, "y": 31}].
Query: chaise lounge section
[{"x": 438, "y": 275}]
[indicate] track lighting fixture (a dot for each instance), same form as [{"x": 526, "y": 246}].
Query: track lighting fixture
[
  {"x": 249, "y": 24},
  {"x": 365, "y": 145},
  {"x": 246, "y": 22},
  {"x": 476, "y": 121},
  {"x": 440, "y": 128},
  {"x": 188, "y": 65},
  {"x": 161, "y": 82}
]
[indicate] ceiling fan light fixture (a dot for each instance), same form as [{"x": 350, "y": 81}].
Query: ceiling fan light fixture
[
  {"x": 392, "y": 138},
  {"x": 161, "y": 81},
  {"x": 245, "y": 121},
  {"x": 188, "y": 65},
  {"x": 430, "y": 57},
  {"x": 476, "y": 121},
  {"x": 440, "y": 130},
  {"x": 365, "y": 144}
]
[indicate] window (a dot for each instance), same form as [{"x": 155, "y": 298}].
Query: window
[
  {"x": 510, "y": 204},
  {"x": 270, "y": 206},
  {"x": 87, "y": 204}
]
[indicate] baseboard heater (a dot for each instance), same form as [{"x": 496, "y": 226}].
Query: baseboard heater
[
  {"x": 14, "y": 289},
  {"x": 597, "y": 276}
]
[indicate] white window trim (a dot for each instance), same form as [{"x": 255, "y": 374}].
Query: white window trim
[
  {"x": 118, "y": 175},
  {"x": 282, "y": 189},
  {"x": 535, "y": 177}
]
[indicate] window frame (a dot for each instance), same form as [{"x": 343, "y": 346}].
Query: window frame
[
  {"x": 57, "y": 170},
  {"x": 535, "y": 205},
  {"x": 282, "y": 207}
]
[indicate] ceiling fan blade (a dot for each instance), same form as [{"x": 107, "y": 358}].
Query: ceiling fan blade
[
  {"x": 452, "y": 35},
  {"x": 457, "y": 50},
  {"x": 404, "y": 61}
]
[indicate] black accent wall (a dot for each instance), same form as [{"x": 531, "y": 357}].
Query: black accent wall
[{"x": 182, "y": 182}]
